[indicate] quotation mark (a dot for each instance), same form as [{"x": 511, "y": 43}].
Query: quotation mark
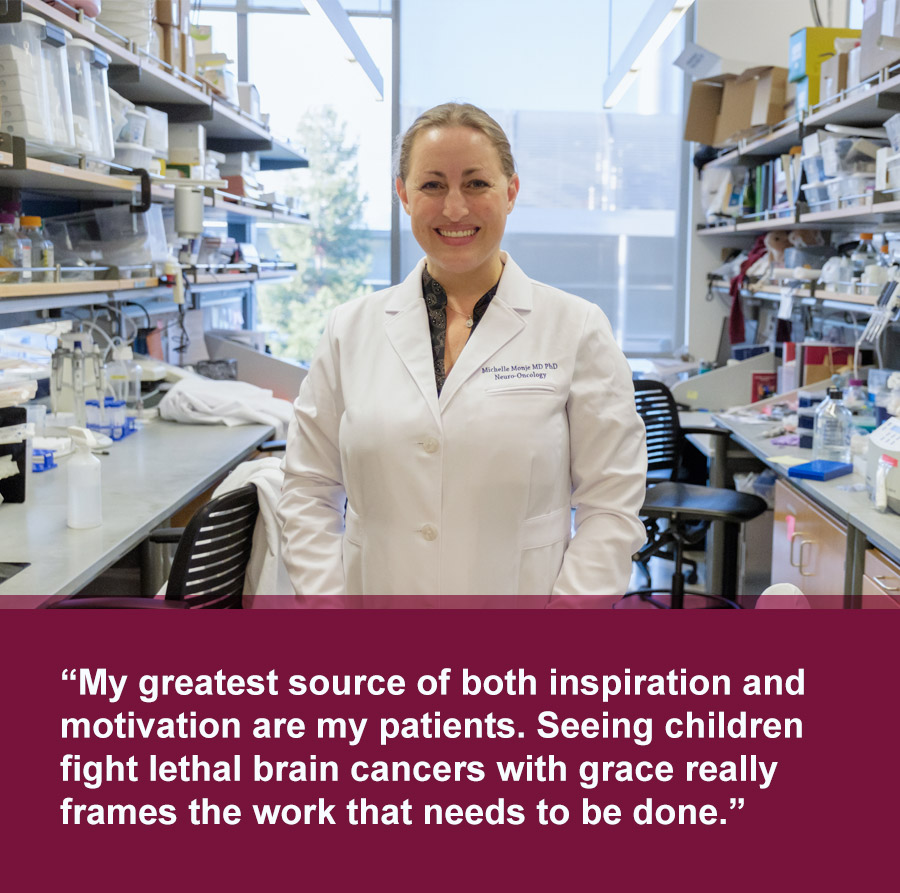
[
  {"x": 68, "y": 675},
  {"x": 733, "y": 803}
]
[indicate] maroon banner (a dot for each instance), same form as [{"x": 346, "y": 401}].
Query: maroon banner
[{"x": 449, "y": 750}]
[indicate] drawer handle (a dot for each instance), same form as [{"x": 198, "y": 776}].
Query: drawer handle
[
  {"x": 791, "y": 554},
  {"x": 800, "y": 555},
  {"x": 884, "y": 586}
]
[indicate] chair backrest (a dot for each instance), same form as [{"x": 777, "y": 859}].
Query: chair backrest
[
  {"x": 212, "y": 554},
  {"x": 657, "y": 407}
]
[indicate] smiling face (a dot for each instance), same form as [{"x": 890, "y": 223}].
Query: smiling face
[{"x": 458, "y": 200}]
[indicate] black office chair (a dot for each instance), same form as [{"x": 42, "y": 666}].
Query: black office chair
[
  {"x": 687, "y": 509},
  {"x": 210, "y": 560}
]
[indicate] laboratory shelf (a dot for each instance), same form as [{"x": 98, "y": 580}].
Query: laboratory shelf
[
  {"x": 747, "y": 227},
  {"x": 62, "y": 179},
  {"x": 145, "y": 80},
  {"x": 865, "y": 105},
  {"x": 775, "y": 141},
  {"x": 873, "y": 213},
  {"x": 282, "y": 156},
  {"x": 44, "y": 289},
  {"x": 771, "y": 291}
]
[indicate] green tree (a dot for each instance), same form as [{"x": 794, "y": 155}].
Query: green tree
[{"x": 331, "y": 253}]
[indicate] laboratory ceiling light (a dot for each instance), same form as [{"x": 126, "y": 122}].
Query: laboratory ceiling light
[
  {"x": 335, "y": 16},
  {"x": 650, "y": 35}
]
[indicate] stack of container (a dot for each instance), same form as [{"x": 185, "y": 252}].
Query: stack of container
[
  {"x": 34, "y": 85},
  {"x": 87, "y": 67},
  {"x": 131, "y": 19}
]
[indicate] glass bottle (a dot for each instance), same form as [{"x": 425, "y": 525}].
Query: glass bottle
[
  {"x": 863, "y": 255},
  {"x": 15, "y": 251},
  {"x": 833, "y": 427},
  {"x": 42, "y": 254}
]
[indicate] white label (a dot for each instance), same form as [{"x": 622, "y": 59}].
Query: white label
[
  {"x": 786, "y": 307},
  {"x": 697, "y": 61},
  {"x": 887, "y": 436}
]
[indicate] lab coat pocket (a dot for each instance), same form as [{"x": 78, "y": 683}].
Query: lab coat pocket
[
  {"x": 521, "y": 389},
  {"x": 543, "y": 544},
  {"x": 353, "y": 527}
]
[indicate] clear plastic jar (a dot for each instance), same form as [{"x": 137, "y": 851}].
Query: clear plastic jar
[
  {"x": 863, "y": 255},
  {"x": 43, "y": 258},
  {"x": 15, "y": 250},
  {"x": 80, "y": 55}
]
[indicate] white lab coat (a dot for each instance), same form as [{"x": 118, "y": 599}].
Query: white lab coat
[{"x": 464, "y": 500}]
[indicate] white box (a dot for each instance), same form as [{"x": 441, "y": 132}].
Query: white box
[
  {"x": 248, "y": 99},
  {"x": 187, "y": 144}
]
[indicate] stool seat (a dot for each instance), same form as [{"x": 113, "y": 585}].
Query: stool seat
[{"x": 692, "y": 502}]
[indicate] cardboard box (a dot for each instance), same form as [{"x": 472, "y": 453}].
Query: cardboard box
[
  {"x": 833, "y": 76},
  {"x": 853, "y": 66},
  {"x": 184, "y": 16},
  {"x": 168, "y": 12},
  {"x": 247, "y": 187},
  {"x": 188, "y": 60},
  {"x": 879, "y": 17},
  {"x": 172, "y": 40},
  {"x": 187, "y": 144},
  {"x": 726, "y": 108},
  {"x": 810, "y": 47},
  {"x": 158, "y": 41}
]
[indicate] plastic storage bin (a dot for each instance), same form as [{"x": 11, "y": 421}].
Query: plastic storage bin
[
  {"x": 119, "y": 107},
  {"x": 892, "y": 126},
  {"x": 156, "y": 137},
  {"x": 130, "y": 18},
  {"x": 818, "y": 198},
  {"x": 851, "y": 190},
  {"x": 814, "y": 168},
  {"x": 133, "y": 155},
  {"x": 100, "y": 91},
  {"x": 59, "y": 93},
  {"x": 109, "y": 236},
  {"x": 22, "y": 70},
  {"x": 84, "y": 119},
  {"x": 849, "y": 156}
]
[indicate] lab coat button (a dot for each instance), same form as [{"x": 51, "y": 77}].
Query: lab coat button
[
  {"x": 429, "y": 532},
  {"x": 430, "y": 445}
]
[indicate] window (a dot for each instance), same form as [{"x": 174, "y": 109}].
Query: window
[
  {"x": 312, "y": 92},
  {"x": 597, "y": 211}
]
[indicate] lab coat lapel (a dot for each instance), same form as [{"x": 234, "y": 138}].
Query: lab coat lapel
[
  {"x": 502, "y": 321},
  {"x": 406, "y": 326}
]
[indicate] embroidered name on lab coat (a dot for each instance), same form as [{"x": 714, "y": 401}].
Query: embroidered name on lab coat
[{"x": 514, "y": 371}]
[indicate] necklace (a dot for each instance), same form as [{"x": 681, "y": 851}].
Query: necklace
[{"x": 468, "y": 316}]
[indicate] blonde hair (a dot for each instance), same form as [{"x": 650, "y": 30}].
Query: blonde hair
[{"x": 455, "y": 114}]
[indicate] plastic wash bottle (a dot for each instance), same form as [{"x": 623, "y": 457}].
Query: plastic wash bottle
[{"x": 84, "y": 493}]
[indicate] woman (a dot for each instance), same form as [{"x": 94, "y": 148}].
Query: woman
[{"x": 460, "y": 414}]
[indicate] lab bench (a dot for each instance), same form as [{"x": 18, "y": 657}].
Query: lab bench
[
  {"x": 834, "y": 521},
  {"x": 146, "y": 478}
]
